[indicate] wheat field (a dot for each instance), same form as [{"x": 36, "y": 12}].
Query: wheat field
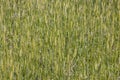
[{"x": 59, "y": 39}]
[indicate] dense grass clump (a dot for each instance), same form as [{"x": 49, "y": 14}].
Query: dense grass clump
[{"x": 59, "y": 39}]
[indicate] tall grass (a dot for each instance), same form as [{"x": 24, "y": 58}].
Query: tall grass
[{"x": 59, "y": 39}]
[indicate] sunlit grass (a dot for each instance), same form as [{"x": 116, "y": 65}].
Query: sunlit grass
[{"x": 59, "y": 40}]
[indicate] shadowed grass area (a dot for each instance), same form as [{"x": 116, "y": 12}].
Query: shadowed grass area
[{"x": 59, "y": 40}]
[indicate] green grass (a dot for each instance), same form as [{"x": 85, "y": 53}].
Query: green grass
[{"x": 59, "y": 39}]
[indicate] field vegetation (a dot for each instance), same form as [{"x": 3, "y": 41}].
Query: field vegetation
[{"x": 59, "y": 39}]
